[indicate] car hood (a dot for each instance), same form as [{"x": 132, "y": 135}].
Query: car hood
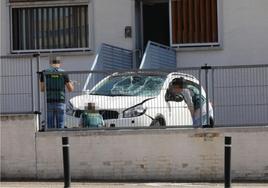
[{"x": 118, "y": 103}]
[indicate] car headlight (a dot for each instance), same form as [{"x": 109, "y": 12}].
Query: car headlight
[{"x": 134, "y": 111}]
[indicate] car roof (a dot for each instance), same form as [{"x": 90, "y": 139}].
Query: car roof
[
  {"x": 189, "y": 77},
  {"x": 170, "y": 75},
  {"x": 149, "y": 73}
]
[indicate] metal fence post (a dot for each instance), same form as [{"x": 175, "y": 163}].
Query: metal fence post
[
  {"x": 200, "y": 94},
  {"x": 45, "y": 102},
  {"x": 32, "y": 86},
  {"x": 66, "y": 162},
  {"x": 38, "y": 108},
  {"x": 213, "y": 94},
  {"x": 37, "y": 56},
  {"x": 227, "y": 162},
  {"x": 206, "y": 68}
]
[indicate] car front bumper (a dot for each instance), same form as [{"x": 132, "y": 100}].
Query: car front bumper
[{"x": 139, "y": 121}]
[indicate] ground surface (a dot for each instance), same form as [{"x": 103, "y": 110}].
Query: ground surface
[{"x": 127, "y": 185}]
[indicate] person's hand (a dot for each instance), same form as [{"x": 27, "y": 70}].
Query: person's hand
[{"x": 74, "y": 82}]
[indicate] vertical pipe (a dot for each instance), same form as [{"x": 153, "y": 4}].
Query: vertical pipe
[
  {"x": 32, "y": 91},
  {"x": 38, "y": 77},
  {"x": 207, "y": 96},
  {"x": 213, "y": 93},
  {"x": 37, "y": 56},
  {"x": 206, "y": 68},
  {"x": 227, "y": 162},
  {"x": 45, "y": 101},
  {"x": 66, "y": 162},
  {"x": 200, "y": 94}
]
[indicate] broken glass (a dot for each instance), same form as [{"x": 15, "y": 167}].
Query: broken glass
[{"x": 131, "y": 85}]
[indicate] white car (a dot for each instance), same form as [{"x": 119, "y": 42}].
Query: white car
[{"x": 137, "y": 99}]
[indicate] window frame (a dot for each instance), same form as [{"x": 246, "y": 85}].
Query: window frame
[
  {"x": 43, "y": 4},
  {"x": 199, "y": 46}
]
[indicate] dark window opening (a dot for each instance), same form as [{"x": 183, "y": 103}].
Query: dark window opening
[{"x": 156, "y": 23}]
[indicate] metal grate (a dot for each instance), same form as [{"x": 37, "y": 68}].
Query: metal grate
[
  {"x": 44, "y": 28},
  {"x": 158, "y": 56},
  {"x": 108, "y": 114},
  {"x": 109, "y": 58}
]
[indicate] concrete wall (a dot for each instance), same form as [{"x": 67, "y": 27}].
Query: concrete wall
[
  {"x": 18, "y": 152},
  {"x": 175, "y": 154}
]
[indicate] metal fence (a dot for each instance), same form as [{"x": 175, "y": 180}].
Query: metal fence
[
  {"x": 238, "y": 94},
  {"x": 17, "y": 84}
]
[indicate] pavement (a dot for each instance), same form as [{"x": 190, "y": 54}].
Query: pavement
[{"x": 127, "y": 185}]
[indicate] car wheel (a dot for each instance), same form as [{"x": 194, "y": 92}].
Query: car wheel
[
  {"x": 211, "y": 122},
  {"x": 157, "y": 122}
]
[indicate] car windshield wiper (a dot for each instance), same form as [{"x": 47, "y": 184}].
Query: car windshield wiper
[
  {"x": 114, "y": 95},
  {"x": 111, "y": 95},
  {"x": 98, "y": 94}
]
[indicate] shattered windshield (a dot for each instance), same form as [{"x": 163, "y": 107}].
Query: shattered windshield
[{"x": 131, "y": 85}]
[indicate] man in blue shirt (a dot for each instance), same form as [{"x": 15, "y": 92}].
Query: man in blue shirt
[{"x": 53, "y": 81}]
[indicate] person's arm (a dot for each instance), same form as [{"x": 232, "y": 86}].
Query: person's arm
[
  {"x": 69, "y": 85},
  {"x": 42, "y": 86},
  {"x": 41, "y": 83},
  {"x": 189, "y": 101}
]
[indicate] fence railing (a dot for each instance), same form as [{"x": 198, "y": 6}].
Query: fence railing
[
  {"x": 17, "y": 84},
  {"x": 137, "y": 98},
  {"x": 238, "y": 94}
]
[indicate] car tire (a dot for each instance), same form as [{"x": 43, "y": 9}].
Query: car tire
[
  {"x": 211, "y": 122},
  {"x": 158, "y": 122}
]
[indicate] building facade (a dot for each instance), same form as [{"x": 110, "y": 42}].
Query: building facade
[
  {"x": 213, "y": 32},
  {"x": 216, "y": 32}
]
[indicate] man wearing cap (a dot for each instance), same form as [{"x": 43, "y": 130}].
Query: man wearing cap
[
  {"x": 178, "y": 87},
  {"x": 54, "y": 83}
]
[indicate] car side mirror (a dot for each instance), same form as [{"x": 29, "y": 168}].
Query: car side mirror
[{"x": 173, "y": 97}]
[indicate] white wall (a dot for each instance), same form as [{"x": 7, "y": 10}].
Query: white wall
[
  {"x": 110, "y": 19},
  {"x": 245, "y": 26},
  {"x": 4, "y": 27},
  {"x": 106, "y": 18},
  {"x": 167, "y": 154}
]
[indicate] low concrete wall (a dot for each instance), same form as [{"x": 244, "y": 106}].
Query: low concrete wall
[
  {"x": 168, "y": 154},
  {"x": 18, "y": 152}
]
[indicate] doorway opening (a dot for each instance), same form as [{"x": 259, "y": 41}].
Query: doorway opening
[{"x": 155, "y": 20}]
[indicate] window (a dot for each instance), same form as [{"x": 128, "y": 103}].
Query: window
[
  {"x": 50, "y": 28},
  {"x": 194, "y": 23}
]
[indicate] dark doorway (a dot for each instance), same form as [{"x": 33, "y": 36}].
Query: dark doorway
[{"x": 156, "y": 22}]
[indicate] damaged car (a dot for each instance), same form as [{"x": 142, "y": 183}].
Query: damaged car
[{"x": 138, "y": 99}]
